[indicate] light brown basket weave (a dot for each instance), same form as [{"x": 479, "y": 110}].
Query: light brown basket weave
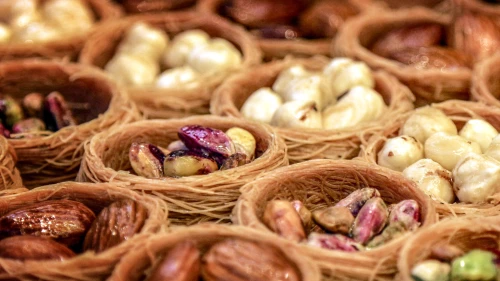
[
  {"x": 150, "y": 6},
  {"x": 305, "y": 144},
  {"x": 486, "y": 81},
  {"x": 88, "y": 265},
  {"x": 68, "y": 47},
  {"x": 134, "y": 265},
  {"x": 167, "y": 103},
  {"x": 464, "y": 233},
  {"x": 9, "y": 174},
  {"x": 479, "y": 6},
  {"x": 460, "y": 112},
  {"x": 432, "y": 85},
  {"x": 191, "y": 199},
  {"x": 322, "y": 183},
  {"x": 56, "y": 157}
]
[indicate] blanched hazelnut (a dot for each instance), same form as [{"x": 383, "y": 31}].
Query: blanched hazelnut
[
  {"x": 289, "y": 74},
  {"x": 425, "y": 121},
  {"x": 5, "y": 33},
  {"x": 181, "y": 46},
  {"x": 144, "y": 40},
  {"x": 400, "y": 152},
  {"x": 261, "y": 105},
  {"x": 448, "y": 149},
  {"x": 431, "y": 270},
  {"x": 493, "y": 149},
  {"x": 36, "y": 32},
  {"x": 179, "y": 77},
  {"x": 306, "y": 88},
  {"x": 297, "y": 114},
  {"x": 479, "y": 131},
  {"x": 218, "y": 55},
  {"x": 132, "y": 70},
  {"x": 68, "y": 15},
  {"x": 432, "y": 179}
]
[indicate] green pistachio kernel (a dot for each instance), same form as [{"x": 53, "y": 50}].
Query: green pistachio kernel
[{"x": 477, "y": 265}]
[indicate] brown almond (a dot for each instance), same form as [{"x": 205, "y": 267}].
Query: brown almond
[
  {"x": 116, "y": 223},
  {"x": 182, "y": 263},
  {"x": 418, "y": 35},
  {"x": 65, "y": 221},
  {"x": 241, "y": 260},
  {"x": 431, "y": 58},
  {"x": 324, "y": 18},
  {"x": 33, "y": 248}
]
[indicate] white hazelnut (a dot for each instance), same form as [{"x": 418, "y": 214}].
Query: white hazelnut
[
  {"x": 179, "y": 77},
  {"x": 181, "y": 46},
  {"x": 431, "y": 270},
  {"x": 425, "y": 121},
  {"x": 144, "y": 40},
  {"x": 261, "y": 105},
  {"x": 5, "y": 33},
  {"x": 22, "y": 7},
  {"x": 68, "y": 15},
  {"x": 306, "y": 89},
  {"x": 447, "y": 149},
  {"x": 218, "y": 55},
  {"x": 479, "y": 131},
  {"x": 36, "y": 32},
  {"x": 297, "y": 114},
  {"x": 476, "y": 177},
  {"x": 493, "y": 149},
  {"x": 132, "y": 70},
  {"x": 400, "y": 152},
  {"x": 342, "y": 74},
  {"x": 360, "y": 104},
  {"x": 432, "y": 179},
  {"x": 287, "y": 75}
]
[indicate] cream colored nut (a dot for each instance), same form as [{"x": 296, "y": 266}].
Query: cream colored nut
[
  {"x": 287, "y": 75},
  {"x": 432, "y": 179},
  {"x": 493, "y": 149},
  {"x": 306, "y": 88},
  {"x": 431, "y": 270},
  {"x": 360, "y": 104},
  {"x": 261, "y": 105},
  {"x": 447, "y": 149},
  {"x": 216, "y": 56},
  {"x": 476, "y": 177},
  {"x": 243, "y": 140},
  {"x": 426, "y": 121},
  {"x": 479, "y": 131},
  {"x": 342, "y": 74},
  {"x": 179, "y": 77},
  {"x": 132, "y": 70},
  {"x": 144, "y": 40},
  {"x": 68, "y": 15},
  {"x": 5, "y": 33},
  {"x": 36, "y": 32},
  {"x": 181, "y": 46},
  {"x": 297, "y": 114},
  {"x": 400, "y": 152},
  {"x": 21, "y": 20}
]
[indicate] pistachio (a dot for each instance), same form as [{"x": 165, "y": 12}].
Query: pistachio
[
  {"x": 281, "y": 217},
  {"x": 146, "y": 160},
  {"x": 334, "y": 242},
  {"x": 334, "y": 219},
  {"x": 475, "y": 265},
  {"x": 389, "y": 233},
  {"x": 431, "y": 270},
  {"x": 176, "y": 145},
  {"x": 57, "y": 115},
  {"x": 28, "y": 247},
  {"x": 10, "y": 111},
  {"x": 370, "y": 221},
  {"x": 297, "y": 114},
  {"x": 244, "y": 142},
  {"x": 29, "y": 125},
  {"x": 206, "y": 140},
  {"x": 304, "y": 213},
  {"x": 33, "y": 105},
  {"x": 233, "y": 161},
  {"x": 182, "y": 263},
  {"x": 184, "y": 163},
  {"x": 432, "y": 57},
  {"x": 324, "y": 18},
  {"x": 355, "y": 201},
  {"x": 446, "y": 252},
  {"x": 406, "y": 212}
]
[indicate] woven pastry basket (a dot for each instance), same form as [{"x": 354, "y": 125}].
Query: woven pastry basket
[
  {"x": 486, "y": 82},
  {"x": 460, "y": 112},
  {"x": 97, "y": 104},
  {"x": 136, "y": 263},
  {"x": 322, "y": 183},
  {"x": 68, "y": 47},
  {"x": 191, "y": 199},
  {"x": 465, "y": 233},
  {"x": 168, "y": 103},
  {"x": 88, "y": 265},
  {"x": 9, "y": 174},
  {"x": 431, "y": 85},
  {"x": 150, "y": 6},
  {"x": 480, "y": 6},
  {"x": 305, "y": 144}
]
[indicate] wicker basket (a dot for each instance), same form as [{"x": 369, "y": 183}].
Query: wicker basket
[
  {"x": 321, "y": 183},
  {"x": 89, "y": 265},
  {"x": 460, "y": 112},
  {"x": 99, "y": 104},
  {"x": 9, "y": 174},
  {"x": 308, "y": 144},
  {"x": 485, "y": 82},
  {"x": 167, "y": 103},
  {"x": 191, "y": 199}
]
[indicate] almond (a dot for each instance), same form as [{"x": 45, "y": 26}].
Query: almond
[
  {"x": 33, "y": 248},
  {"x": 431, "y": 58},
  {"x": 182, "y": 263},
  {"x": 324, "y": 18}
]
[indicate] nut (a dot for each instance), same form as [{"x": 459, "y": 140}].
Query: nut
[
  {"x": 431, "y": 270},
  {"x": 355, "y": 201},
  {"x": 65, "y": 221},
  {"x": 57, "y": 115},
  {"x": 425, "y": 121},
  {"x": 243, "y": 141},
  {"x": 479, "y": 131},
  {"x": 370, "y": 221},
  {"x": 400, "y": 152},
  {"x": 206, "y": 140},
  {"x": 324, "y": 18},
  {"x": 177, "y": 53},
  {"x": 33, "y": 248},
  {"x": 431, "y": 58},
  {"x": 29, "y": 125},
  {"x": 475, "y": 265},
  {"x": 238, "y": 260},
  {"x": 233, "y": 161},
  {"x": 334, "y": 219},
  {"x": 146, "y": 160},
  {"x": 261, "y": 105},
  {"x": 217, "y": 55},
  {"x": 10, "y": 111},
  {"x": 116, "y": 223},
  {"x": 182, "y": 263},
  {"x": 184, "y": 163},
  {"x": 281, "y": 217},
  {"x": 304, "y": 213},
  {"x": 297, "y": 114},
  {"x": 33, "y": 105},
  {"x": 448, "y": 150},
  {"x": 277, "y": 31},
  {"x": 406, "y": 212},
  {"x": 334, "y": 242},
  {"x": 392, "y": 231}
]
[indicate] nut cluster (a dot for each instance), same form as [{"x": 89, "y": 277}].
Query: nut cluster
[
  {"x": 443, "y": 161},
  {"x": 340, "y": 96},
  {"x": 200, "y": 150},
  {"x": 57, "y": 229},
  {"x": 146, "y": 50},
  {"x": 360, "y": 221}
]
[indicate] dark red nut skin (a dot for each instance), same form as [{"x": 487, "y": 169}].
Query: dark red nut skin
[
  {"x": 33, "y": 248},
  {"x": 182, "y": 263}
]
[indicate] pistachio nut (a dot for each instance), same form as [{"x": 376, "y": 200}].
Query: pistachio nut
[
  {"x": 370, "y": 220},
  {"x": 33, "y": 105},
  {"x": 146, "y": 160},
  {"x": 334, "y": 219},
  {"x": 281, "y": 218},
  {"x": 184, "y": 163},
  {"x": 475, "y": 265},
  {"x": 304, "y": 213},
  {"x": 406, "y": 212},
  {"x": 29, "y": 125},
  {"x": 431, "y": 270},
  {"x": 389, "y": 233},
  {"x": 205, "y": 140},
  {"x": 11, "y": 112},
  {"x": 57, "y": 114},
  {"x": 355, "y": 201},
  {"x": 334, "y": 242},
  {"x": 244, "y": 142}
]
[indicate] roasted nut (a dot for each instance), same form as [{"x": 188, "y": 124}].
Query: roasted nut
[
  {"x": 425, "y": 121},
  {"x": 33, "y": 248},
  {"x": 29, "y": 125},
  {"x": 334, "y": 219},
  {"x": 116, "y": 223},
  {"x": 370, "y": 221},
  {"x": 400, "y": 152},
  {"x": 65, "y": 221},
  {"x": 33, "y": 105},
  {"x": 206, "y": 141},
  {"x": 433, "y": 57},
  {"x": 406, "y": 212},
  {"x": 244, "y": 142},
  {"x": 297, "y": 114},
  {"x": 419, "y": 35},
  {"x": 182, "y": 263},
  {"x": 355, "y": 201},
  {"x": 57, "y": 115},
  {"x": 324, "y": 18},
  {"x": 389, "y": 233},
  {"x": 277, "y": 31},
  {"x": 10, "y": 111},
  {"x": 448, "y": 149},
  {"x": 475, "y": 265},
  {"x": 283, "y": 219},
  {"x": 183, "y": 163},
  {"x": 146, "y": 160},
  {"x": 334, "y": 242},
  {"x": 431, "y": 270},
  {"x": 304, "y": 213}
]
